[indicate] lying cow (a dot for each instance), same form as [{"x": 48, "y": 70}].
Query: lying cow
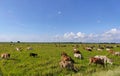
[
  {"x": 106, "y": 59},
  {"x": 96, "y": 61},
  {"x": 5, "y": 55},
  {"x": 33, "y": 54}
]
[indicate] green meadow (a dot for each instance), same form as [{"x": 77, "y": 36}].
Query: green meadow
[{"x": 47, "y": 62}]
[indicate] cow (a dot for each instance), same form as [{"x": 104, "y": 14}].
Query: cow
[
  {"x": 67, "y": 62},
  {"x": 29, "y": 48},
  {"x": 77, "y": 54},
  {"x": 33, "y": 54},
  {"x": 65, "y": 57},
  {"x": 108, "y": 49},
  {"x": 68, "y": 65},
  {"x": 19, "y": 49},
  {"x": 117, "y": 53},
  {"x": 114, "y": 53},
  {"x": 88, "y": 48},
  {"x": 5, "y": 55},
  {"x": 101, "y": 47},
  {"x": 105, "y": 58},
  {"x": 96, "y": 61}
]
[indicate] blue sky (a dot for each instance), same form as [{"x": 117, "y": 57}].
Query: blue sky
[{"x": 60, "y": 20}]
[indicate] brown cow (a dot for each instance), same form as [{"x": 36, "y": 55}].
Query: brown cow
[
  {"x": 67, "y": 62},
  {"x": 65, "y": 57},
  {"x": 68, "y": 65},
  {"x": 96, "y": 61},
  {"x": 114, "y": 53},
  {"x": 5, "y": 55}
]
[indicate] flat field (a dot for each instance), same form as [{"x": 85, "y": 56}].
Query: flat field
[{"x": 47, "y": 62}]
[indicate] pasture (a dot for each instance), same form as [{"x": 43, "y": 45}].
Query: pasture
[{"x": 46, "y": 63}]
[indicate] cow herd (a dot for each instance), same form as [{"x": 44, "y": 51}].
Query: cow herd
[
  {"x": 68, "y": 62},
  {"x": 7, "y": 55}
]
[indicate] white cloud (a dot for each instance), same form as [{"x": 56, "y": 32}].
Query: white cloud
[
  {"x": 112, "y": 35},
  {"x": 69, "y": 35},
  {"x": 80, "y": 35}
]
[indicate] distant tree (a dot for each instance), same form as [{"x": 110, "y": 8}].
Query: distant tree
[
  {"x": 11, "y": 42},
  {"x": 18, "y": 41}
]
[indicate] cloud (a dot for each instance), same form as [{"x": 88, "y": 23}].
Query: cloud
[
  {"x": 69, "y": 35},
  {"x": 112, "y": 35},
  {"x": 80, "y": 35}
]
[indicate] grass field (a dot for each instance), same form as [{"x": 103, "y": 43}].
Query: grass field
[{"x": 47, "y": 61}]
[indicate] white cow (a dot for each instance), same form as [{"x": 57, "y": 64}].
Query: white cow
[
  {"x": 18, "y": 49},
  {"x": 107, "y": 49},
  {"x": 5, "y": 55},
  {"x": 99, "y": 49},
  {"x": 106, "y": 59},
  {"x": 117, "y": 53},
  {"x": 78, "y": 55}
]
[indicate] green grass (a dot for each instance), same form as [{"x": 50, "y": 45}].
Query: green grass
[{"x": 47, "y": 62}]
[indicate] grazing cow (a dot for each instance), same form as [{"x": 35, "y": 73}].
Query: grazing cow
[
  {"x": 117, "y": 53},
  {"x": 114, "y": 53},
  {"x": 110, "y": 47},
  {"x": 68, "y": 65},
  {"x": 78, "y": 54},
  {"x": 105, "y": 58},
  {"x": 88, "y": 49},
  {"x": 29, "y": 48},
  {"x": 19, "y": 49},
  {"x": 33, "y": 54},
  {"x": 65, "y": 57},
  {"x": 107, "y": 49},
  {"x": 67, "y": 62},
  {"x": 96, "y": 61},
  {"x": 5, "y": 55},
  {"x": 111, "y": 52},
  {"x": 99, "y": 49}
]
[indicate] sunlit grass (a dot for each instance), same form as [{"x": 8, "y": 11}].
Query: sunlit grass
[{"x": 47, "y": 61}]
